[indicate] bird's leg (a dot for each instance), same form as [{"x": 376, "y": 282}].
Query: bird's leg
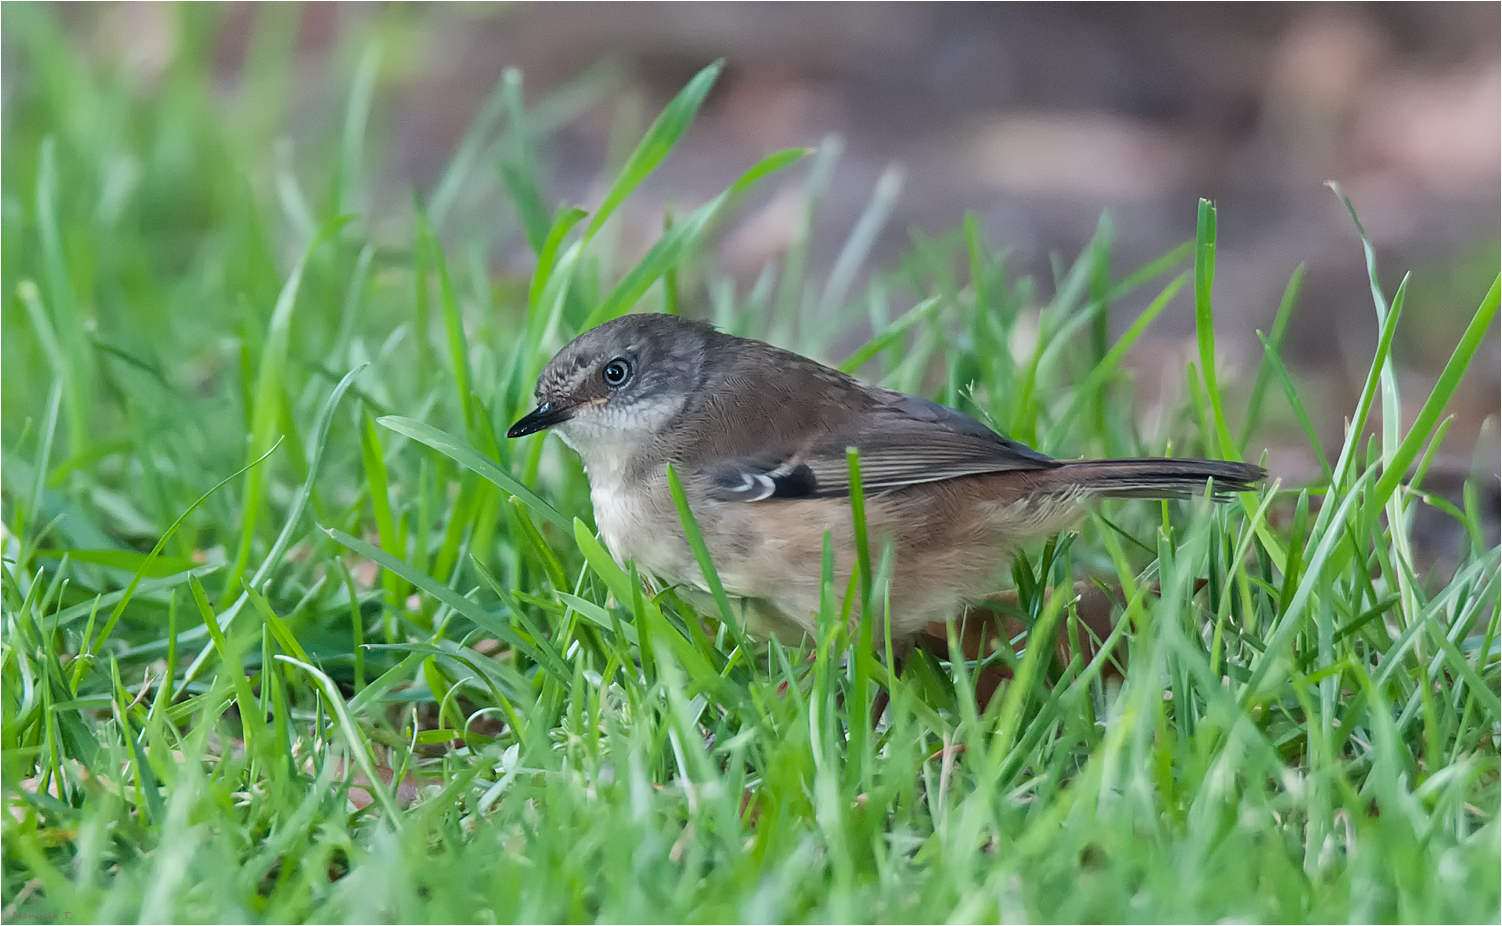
[
  {"x": 884, "y": 695},
  {"x": 901, "y": 650}
]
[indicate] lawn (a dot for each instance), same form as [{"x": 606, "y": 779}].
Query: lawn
[{"x": 291, "y": 632}]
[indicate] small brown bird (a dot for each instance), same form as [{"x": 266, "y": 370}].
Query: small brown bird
[{"x": 758, "y": 436}]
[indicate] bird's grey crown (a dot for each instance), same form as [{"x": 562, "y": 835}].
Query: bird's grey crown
[{"x": 666, "y": 354}]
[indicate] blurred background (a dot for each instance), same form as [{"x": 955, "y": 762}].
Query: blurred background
[{"x": 1037, "y": 118}]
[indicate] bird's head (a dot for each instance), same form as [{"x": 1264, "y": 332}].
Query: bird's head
[{"x": 622, "y": 383}]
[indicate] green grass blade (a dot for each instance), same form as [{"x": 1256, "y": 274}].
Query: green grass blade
[
  {"x": 700, "y": 550},
  {"x": 1204, "y": 323},
  {"x": 661, "y": 138},
  {"x": 71, "y": 348},
  {"x": 1280, "y": 327},
  {"x": 654, "y": 623},
  {"x": 126, "y": 560},
  {"x": 135, "y": 582},
  {"x": 862, "y": 237},
  {"x": 518, "y": 167},
  {"x": 1433, "y": 407},
  {"x": 357, "y": 745},
  {"x": 453, "y": 325},
  {"x": 279, "y": 628},
  {"x": 1291, "y": 620},
  {"x": 547, "y": 257},
  {"x": 266, "y": 407},
  {"x": 1273, "y": 363},
  {"x": 483, "y": 619},
  {"x": 43, "y": 468},
  {"x": 675, "y": 242},
  {"x": 467, "y": 155},
  {"x": 304, "y": 493},
  {"x": 891, "y": 335},
  {"x": 472, "y": 459},
  {"x": 376, "y": 478},
  {"x": 252, "y": 719},
  {"x": 1103, "y": 371},
  {"x": 352, "y": 142}
]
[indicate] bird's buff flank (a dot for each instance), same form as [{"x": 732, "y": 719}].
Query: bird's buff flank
[{"x": 758, "y": 436}]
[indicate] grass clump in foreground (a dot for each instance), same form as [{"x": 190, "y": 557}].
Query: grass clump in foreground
[{"x": 226, "y": 404}]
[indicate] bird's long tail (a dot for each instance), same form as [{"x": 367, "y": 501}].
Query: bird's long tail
[{"x": 1154, "y": 477}]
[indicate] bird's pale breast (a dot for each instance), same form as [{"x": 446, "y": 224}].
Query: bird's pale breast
[{"x": 641, "y": 524}]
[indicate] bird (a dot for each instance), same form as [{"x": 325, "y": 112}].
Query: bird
[{"x": 758, "y": 437}]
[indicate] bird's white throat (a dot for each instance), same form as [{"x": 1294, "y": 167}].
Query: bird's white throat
[
  {"x": 618, "y": 446},
  {"x": 609, "y": 437}
]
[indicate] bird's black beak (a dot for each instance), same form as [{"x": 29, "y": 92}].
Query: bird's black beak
[{"x": 541, "y": 418}]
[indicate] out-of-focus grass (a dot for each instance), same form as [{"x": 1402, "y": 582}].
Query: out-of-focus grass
[{"x": 226, "y": 404}]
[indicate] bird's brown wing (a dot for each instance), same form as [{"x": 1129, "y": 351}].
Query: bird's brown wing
[{"x": 901, "y": 440}]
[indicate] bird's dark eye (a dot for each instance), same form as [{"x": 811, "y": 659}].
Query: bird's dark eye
[{"x": 616, "y": 372}]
